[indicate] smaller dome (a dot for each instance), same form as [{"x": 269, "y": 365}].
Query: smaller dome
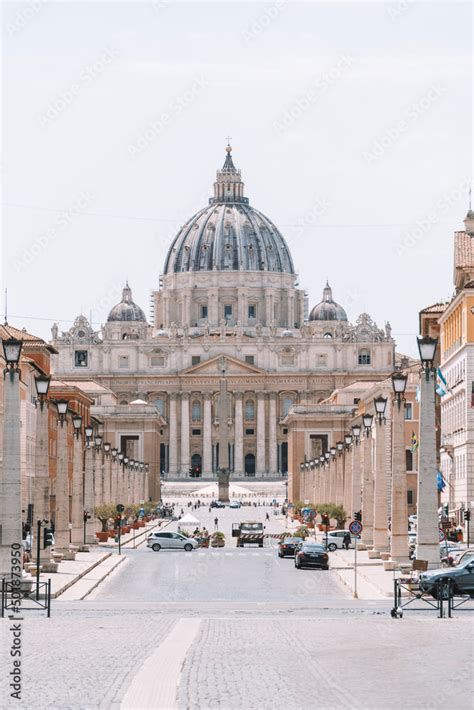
[
  {"x": 126, "y": 310},
  {"x": 328, "y": 309}
]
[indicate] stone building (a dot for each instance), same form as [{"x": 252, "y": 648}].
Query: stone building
[{"x": 228, "y": 289}]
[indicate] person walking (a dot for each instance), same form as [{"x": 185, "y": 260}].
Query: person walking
[
  {"x": 267, "y": 517},
  {"x": 346, "y": 540},
  {"x": 216, "y": 523}
]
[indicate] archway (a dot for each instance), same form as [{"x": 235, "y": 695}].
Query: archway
[
  {"x": 250, "y": 465},
  {"x": 196, "y": 466}
]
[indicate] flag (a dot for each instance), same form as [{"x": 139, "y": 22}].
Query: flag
[
  {"x": 441, "y": 483},
  {"x": 414, "y": 442},
  {"x": 441, "y": 384}
]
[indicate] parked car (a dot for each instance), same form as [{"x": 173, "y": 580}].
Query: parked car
[
  {"x": 217, "y": 504},
  {"x": 235, "y": 504},
  {"x": 287, "y": 546},
  {"x": 462, "y": 578},
  {"x": 335, "y": 538},
  {"x": 311, "y": 554},
  {"x": 170, "y": 541}
]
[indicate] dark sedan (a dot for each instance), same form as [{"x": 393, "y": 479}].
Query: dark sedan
[
  {"x": 311, "y": 554},
  {"x": 462, "y": 578},
  {"x": 287, "y": 546}
]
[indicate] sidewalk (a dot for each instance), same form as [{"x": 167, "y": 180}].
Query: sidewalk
[
  {"x": 135, "y": 537},
  {"x": 373, "y": 582}
]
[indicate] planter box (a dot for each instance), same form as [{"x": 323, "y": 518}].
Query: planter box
[
  {"x": 217, "y": 543},
  {"x": 135, "y": 526},
  {"x": 102, "y": 536},
  {"x": 141, "y": 524}
]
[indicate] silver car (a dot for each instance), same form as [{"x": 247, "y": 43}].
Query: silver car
[{"x": 170, "y": 541}]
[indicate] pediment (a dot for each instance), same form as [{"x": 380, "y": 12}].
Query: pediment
[{"x": 213, "y": 367}]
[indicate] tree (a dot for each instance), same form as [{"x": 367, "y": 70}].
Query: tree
[
  {"x": 334, "y": 511},
  {"x": 104, "y": 513}
]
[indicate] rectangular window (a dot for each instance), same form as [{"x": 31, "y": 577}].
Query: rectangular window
[
  {"x": 203, "y": 311},
  {"x": 252, "y": 311},
  {"x": 123, "y": 360},
  {"x": 80, "y": 358},
  {"x": 196, "y": 432},
  {"x": 364, "y": 357},
  {"x": 408, "y": 410},
  {"x": 285, "y": 431},
  {"x": 410, "y": 498},
  {"x": 249, "y": 432},
  {"x": 195, "y": 359},
  {"x": 250, "y": 359},
  {"x": 228, "y": 311},
  {"x": 157, "y": 361}
]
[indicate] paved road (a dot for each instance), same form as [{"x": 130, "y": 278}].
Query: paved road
[{"x": 235, "y": 629}]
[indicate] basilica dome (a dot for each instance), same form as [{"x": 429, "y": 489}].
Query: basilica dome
[
  {"x": 328, "y": 309},
  {"x": 126, "y": 310},
  {"x": 228, "y": 234}
]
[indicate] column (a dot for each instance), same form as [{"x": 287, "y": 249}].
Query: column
[
  {"x": 108, "y": 480},
  {"x": 356, "y": 499},
  {"x": 41, "y": 481},
  {"x": 339, "y": 492},
  {"x": 10, "y": 490},
  {"x": 77, "y": 510},
  {"x": 114, "y": 482},
  {"x": 427, "y": 538},
  {"x": 61, "y": 518},
  {"x": 239, "y": 435},
  {"x": 381, "y": 543},
  {"x": 260, "y": 462},
  {"x": 89, "y": 495},
  {"x": 399, "y": 551},
  {"x": 173, "y": 434},
  {"x": 272, "y": 435},
  {"x": 367, "y": 493},
  {"x": 207, "y": 436},
  {"x": 347, "y": 494}
]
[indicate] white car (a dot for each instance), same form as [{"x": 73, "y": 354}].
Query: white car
[
  {"x": 335, "y": 538},
  {"x": 170, "y": 541}
]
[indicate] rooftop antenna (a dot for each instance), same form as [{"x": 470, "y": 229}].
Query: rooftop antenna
[{"x": 6, "y": 307}]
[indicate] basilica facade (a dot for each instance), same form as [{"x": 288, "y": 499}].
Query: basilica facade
[{"x": 227, "y": 307}]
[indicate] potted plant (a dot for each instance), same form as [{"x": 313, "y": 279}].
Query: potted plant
[
  {"x": 104, "y": 513},
  {"x": 217, "y": 539}
]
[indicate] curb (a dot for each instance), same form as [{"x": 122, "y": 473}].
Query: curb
[
  {"x": 99, "y": 581},
  {"x": 80, "y": 576}
]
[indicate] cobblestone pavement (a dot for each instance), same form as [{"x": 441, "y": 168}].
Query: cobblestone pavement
[{"x": 267, "y": 636}]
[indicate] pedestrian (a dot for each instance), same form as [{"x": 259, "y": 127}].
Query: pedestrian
[
  {"x": 216, "y": 523},
  {"x": 346, "y": 540},
  {"x": 267, "y": 517},
  {"x": 210, "y": 509}
]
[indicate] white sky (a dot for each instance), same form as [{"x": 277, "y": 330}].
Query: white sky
[{"x": 82, "y": 83}]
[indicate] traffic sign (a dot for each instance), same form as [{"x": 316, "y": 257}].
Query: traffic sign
[
  {"x": 120, "y": 508},
  {"x": 355, "y": 527},
  {"x": 442, "y": 536}
]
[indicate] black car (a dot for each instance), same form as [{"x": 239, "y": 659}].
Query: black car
[
  {"x": 217, "y": 504},
  {"x": 462, "y": 578},
  {"x": 311, "y": 554},
  {"x": 287, "y": 546}
]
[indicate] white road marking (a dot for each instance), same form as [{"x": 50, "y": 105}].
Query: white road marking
[{"x": 156, "y": 683}]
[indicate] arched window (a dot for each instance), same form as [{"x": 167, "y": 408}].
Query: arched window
[
  {"x": 328, "y": 336},
  {"x": 196, "y": 411},
  {"x": 123, "y": 401},
  {"x": 249, "y": 410},
  {"x": 160, "y": 406},
  {"x": 286, "y": 405}
]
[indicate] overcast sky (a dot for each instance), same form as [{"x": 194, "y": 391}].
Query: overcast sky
[{"x": 351, "y": 124}]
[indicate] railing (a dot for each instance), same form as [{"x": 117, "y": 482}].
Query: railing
[
  {"x": 15, "y": 599},
  {"x": 444, "y": 603}
]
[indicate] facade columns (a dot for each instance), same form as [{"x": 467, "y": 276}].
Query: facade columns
[
  {"x": 347, "y": 494},
  {"x": 381, "y": 543},
  {"x": 77, "y": 511},
  {"x": 41, "y": 480},
  {"x": 10, "y": 490},
  {"x": 89, "y": 494},
  {"x": 61, "y": 518},
  {"x": 239, "y": 435},
  {"x": 399, "y": 551},
  {"x": 367, "y": 492},
  {"x": 173, "y": 434},
  {"x": 272, "y": 436},
  {"x": 260, "y": 462},
  {"x": 185, "y": 452},
  {"x": 207, "y": 436},
  {"x": 356, "y": 498}
]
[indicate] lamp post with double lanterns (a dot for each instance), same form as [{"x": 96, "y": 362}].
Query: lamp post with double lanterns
[
  {"x": 367, "y": 481},
  {"x": 399, "y": 552},
  {"x": 381, "y": 542},
  {"x": 427, "y": 534},
  {"x": 10, "y": 481}
]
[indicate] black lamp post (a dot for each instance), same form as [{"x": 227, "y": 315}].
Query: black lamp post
[
  {"x": 77, "y": 424},
  {"x": 367, "y": 420},
  {"x": 380, "y": 404},
  {"x": 356, "y": 429},
  {"x": 427, "y": 349},
  {"x": 42, "y": 383},
  {"x": 62, "y": 404},
  {"x": 347, "y": 441},
  {"x": 399, "y": 384},
  {"x": 12, "y": 352}
]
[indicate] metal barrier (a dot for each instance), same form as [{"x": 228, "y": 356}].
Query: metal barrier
[
  {"x": 444, "y": 603},
  {"x": 16, "y": 599}
]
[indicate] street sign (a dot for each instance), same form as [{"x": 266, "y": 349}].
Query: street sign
[
  {"x": 355, "y": 527},
  {"x": 442, "y": 536},
  {"x": 120, "y": 508}
]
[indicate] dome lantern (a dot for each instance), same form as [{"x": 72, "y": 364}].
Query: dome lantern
[{"x": 328, "y": 309}]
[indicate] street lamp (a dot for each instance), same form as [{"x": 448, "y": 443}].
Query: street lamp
[
  {"x": 88, "y": 431},
  {"x": 347, "y": 440},
  {"x": 327, "y": 455},
  {"x": 77, "y": 424},
  {"x": 367, "y": 420},
  {"x": 380, "y": 404},
  {"x": 121, "y": 457},
  {"x": 399, "y": 384},
  {"x": 42, "y": 383},
  {"x": 332, "y": 451},
  {"x": 107, "y": 448},
  {"x": 61, "y": 404},
  {"x": 11, "y": 352},
  {"x": 339, "y": 447},
  {"x": 427, "y": 349},
  {"x": 322, "y": 460},
  {"x": 98, "y": 441},
  {"x": 114, "y": 453},
  {"x": 356, "y": 429}
]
